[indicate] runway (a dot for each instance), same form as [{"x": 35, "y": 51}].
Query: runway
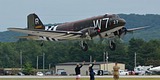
[{"x": 152, "y": 76}]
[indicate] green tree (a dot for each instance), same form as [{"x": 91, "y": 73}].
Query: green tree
[{"x": 28, "y": 70}]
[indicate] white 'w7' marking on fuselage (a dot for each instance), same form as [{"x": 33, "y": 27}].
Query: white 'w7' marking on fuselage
[{"x": 97, "y": 23}]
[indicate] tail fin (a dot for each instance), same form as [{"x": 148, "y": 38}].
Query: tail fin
[{"x": 33, "y": 22}]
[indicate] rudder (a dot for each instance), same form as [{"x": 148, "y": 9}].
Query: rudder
[{"x": 33, "y": 22}]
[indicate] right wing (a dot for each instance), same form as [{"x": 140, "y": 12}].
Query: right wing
[{"x": 138, "y": 28}]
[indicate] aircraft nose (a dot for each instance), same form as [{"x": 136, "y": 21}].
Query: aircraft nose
[{"x": 122, "y": 22}]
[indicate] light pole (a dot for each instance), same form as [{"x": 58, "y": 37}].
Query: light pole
[
  {"x": 90, "y": 58},
  {"x": 37, "y": 63},
  {"x": 107, "y": 60},
  {"x": 104, "y": 54},
  {"x": 49, "y": 66},
  {"x": 43, "y": 61},
  {"x": 104, "y": 57},
  {"x": 21, "y": 59},
  {"x": 135, "y": 61},
  {"x": 43, "y": 54}
]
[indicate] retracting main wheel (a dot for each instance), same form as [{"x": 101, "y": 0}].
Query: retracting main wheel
[
  {"x": 84, "y": 46},
  {"x": 112, "y": 45}
]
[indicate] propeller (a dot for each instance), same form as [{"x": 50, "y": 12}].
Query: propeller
[{"x": 121, "y": 33}]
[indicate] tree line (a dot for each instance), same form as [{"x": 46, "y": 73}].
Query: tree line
[{"x": 148, "y": 52}]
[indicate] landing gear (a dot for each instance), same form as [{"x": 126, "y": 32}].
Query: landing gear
[
  {"x": 42, "y": 43},
  {"x": 112, "y": 45},
  {"x": 84, "y": 46}
]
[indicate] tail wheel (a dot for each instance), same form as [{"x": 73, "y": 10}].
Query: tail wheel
[
  {"x": 84, "y": 46},
  {"x": 112, "y": 45}
]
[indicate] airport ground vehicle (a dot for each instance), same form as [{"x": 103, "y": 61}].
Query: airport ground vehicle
[
  {"x": 142, "y": 70},
  {"x": 123, "y": 73},
  {"x": 39, "y": 74},
  {"x": 103, "y": 72}
]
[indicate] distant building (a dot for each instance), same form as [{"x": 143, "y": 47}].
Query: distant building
[
  {"x": 9, "y": 71},
  {"x": 69, "y": 67}
]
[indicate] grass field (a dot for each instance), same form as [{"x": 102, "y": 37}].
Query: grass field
[{"x": 80, "y": 79}]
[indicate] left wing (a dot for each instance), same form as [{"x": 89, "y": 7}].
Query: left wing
[{"x": 50, "y": 34}]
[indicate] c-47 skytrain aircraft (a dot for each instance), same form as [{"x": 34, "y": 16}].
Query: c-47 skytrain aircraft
[{"x": 104, "y": 26}]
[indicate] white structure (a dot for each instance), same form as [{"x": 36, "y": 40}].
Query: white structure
[{"x": 141, "y": 70}]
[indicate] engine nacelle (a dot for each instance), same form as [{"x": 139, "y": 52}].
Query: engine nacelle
[
  {"x": 120, "y": 33},
  {"x": 91, "y": 31}
]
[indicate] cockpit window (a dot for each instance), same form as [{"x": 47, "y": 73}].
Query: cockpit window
[
  {"x": 115, "y": 16},
  {"x": 105, "y": 15},
  {"x": 111, "y": 15}
]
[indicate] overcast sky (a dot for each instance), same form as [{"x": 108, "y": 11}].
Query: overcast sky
[{"x": 13, "y": 12}]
